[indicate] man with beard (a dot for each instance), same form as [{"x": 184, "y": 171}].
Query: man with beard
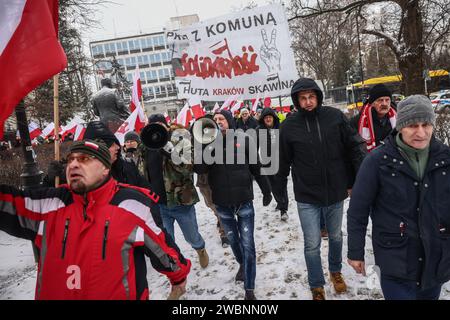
[{"x": 93, "y": 233}]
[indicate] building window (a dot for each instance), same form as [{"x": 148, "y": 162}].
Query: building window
[
  {"x": 159, "y": 41},
  {"x": 151, "y": 75},
  {"x": 122, "y": 46},
  {"x": 164, "y": 74},
  {"x": 120, "y": 61},
  {"x": 110, "y": 48},
  {"x": 97, "y": 49},
  {"x": 130, "y": 77},
  {"x": 165, "y": 56},
  {"x": 142, "y": 60},
  {"x": 155, "y": 58}
]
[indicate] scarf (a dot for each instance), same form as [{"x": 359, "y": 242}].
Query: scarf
[{"x": 365, "y": 125}]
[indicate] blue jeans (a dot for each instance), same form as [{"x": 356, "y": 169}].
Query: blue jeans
[
  {"x": 187, "y": 220},
  {"x": 310, "y": 222},
  {"x": 239, "y": 223},
  {"x": 398, "y": 289}
]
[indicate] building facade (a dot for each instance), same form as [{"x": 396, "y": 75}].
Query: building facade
[{"x": 152, "y": 55}]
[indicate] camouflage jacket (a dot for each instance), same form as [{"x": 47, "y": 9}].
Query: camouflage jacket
[{"x": 178, "y": 179}]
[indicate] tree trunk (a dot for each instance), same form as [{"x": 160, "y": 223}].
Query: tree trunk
[{"x": 411, "y": 62}]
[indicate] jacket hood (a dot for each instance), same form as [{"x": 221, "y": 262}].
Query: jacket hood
[
  {"x": 227, "y": 114},
  {"x": 97, "y": 130},
  {"x": 269, "y": 112},
  {"x": 304, "y": 84}
]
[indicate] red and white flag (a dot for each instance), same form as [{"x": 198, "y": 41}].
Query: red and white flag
[
  {"x": 228, "y": 103},
  {"x": 34, "y": 130},
  {"x": 167, "y": 117},
  {"x": 255, "y": 103},
  {"x": 135, "y": 122},
  {"x": 216, "y": 107},
  {"x": 48, "y": 131},
  {"x": 196, "y": 107},
  {"x": 267, "y": 102},
  {"x": 136, "y": 92},
  {"x": 30, "y": 52},
  {"x": 71, "y": 127},
  {"x": 185, "y": 116},
  {"x": 237, "y": 106},
  {"x": 79, "y": 132}
]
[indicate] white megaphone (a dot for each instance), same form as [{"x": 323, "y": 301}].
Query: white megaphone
[{"x": 205, "y": 130}]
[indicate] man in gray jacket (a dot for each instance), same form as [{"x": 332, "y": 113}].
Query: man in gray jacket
[{"x": 109, "y": 106}]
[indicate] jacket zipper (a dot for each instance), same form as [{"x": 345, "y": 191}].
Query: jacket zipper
[
  {"x": 318, "y": 129},
  {"x": 66, "y": 232},
  {"x": 307, "y": 125},
  {"x": 84, "y": 207},
  {"x": 105, "y": 239}
]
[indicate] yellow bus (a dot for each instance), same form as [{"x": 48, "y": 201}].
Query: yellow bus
[{"x": 357, "y": 92}]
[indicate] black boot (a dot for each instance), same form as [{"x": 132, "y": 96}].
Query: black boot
[
  {"x": 240, "y": 274},
  {"x": 250, "y": 295},
  {"x": 225, "y": 242}
]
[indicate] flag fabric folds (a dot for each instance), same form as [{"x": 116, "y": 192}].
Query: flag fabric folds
[{"x": 30, "y": 52}]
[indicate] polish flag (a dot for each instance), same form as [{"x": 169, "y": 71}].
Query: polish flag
[
  {"x": 30, "y": 52},
  {"x": 237, "y": 105},
  {"x": 216, "y": 107},
  {"x": 135, "y": 122},
  {"x": 185, "y": 116},
  {"x": 34, "y": 130},
  {"x": 168, "y": 120},
  {"x": 255, "y": 103},
  {"x": 267, "y": 102},
  {"x": 136, "y": 92},
  {"x": 79, "y": 132},
  {"x": 196, "y": 107},
  {"x": 228, "y": 103},
  {"x": 48, "y": 131},
  {"x": 71, "y": 127}
]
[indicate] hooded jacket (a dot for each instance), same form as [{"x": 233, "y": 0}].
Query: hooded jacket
[
  {"x": 232, "y": 184},
  {"x": 92, "y": 246},
  {"x": 323, "y": 149}
]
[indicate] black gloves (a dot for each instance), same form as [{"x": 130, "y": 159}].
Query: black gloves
[
  {"x": 267, "y": 198},
  {"x": 55, "y": 169}
]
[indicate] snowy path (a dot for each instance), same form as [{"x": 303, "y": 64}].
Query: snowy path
[{"x": 281, "y": 268}]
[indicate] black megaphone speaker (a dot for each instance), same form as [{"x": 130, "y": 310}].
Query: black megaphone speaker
[{"x": 154, "y": 136}]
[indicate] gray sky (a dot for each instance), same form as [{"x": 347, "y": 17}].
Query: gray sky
[{"x": 130, "y": 17}]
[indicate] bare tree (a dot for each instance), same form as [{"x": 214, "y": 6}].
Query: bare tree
[{"x": 414, "y": 30}]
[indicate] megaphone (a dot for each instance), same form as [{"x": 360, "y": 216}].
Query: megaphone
[
  {"x": 205, "y": 130},
  {"x": 154, "y": 136}
]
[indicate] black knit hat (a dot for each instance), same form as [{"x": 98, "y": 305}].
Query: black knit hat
[
  {"x": 133, "y": 136},
  {"x": 97, "y": 130},
  {"x": 378, "y": 91},
  {"x": 157, "y": 117},
  {"x": 94, "y": 148}
]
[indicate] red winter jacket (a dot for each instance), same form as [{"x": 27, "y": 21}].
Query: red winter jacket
[{"x": 92, "y": 246}]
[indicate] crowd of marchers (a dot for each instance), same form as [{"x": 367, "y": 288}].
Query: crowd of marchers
[{"x": 119, "y": 204}]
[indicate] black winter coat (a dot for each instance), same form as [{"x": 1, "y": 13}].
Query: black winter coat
[
  {"x": 125, "y": 171},
  {"x": 232, "y": 184},
  {"x": 323, "y": 149},
  {"x": 381, "y": 127},
  {"x": 262, "y": 126},
  {"x": 154, "y": 172},
  {"x": 410, "y": 218},
  {"x": 250, "y": 124}
]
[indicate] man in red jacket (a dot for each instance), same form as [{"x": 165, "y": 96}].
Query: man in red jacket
[{"x": 93, "y": 233}]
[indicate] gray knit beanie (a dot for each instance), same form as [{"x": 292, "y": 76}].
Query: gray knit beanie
[{"x": 414, "y": 109}]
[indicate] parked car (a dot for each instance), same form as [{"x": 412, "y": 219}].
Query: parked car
[{"x": 440, "y": 100}]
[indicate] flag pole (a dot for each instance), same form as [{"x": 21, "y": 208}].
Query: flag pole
[
  {"x": 142, "y": 104},
  {"x": 56, "y": 120}
]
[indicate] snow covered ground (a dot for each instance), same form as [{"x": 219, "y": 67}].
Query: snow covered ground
[{"x": 281, "y": 269}]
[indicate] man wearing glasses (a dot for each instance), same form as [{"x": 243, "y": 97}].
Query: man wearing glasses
[{"x": 92, "y": 233}]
